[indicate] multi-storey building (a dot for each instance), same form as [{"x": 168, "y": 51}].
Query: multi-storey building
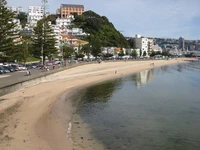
[
  {"x": 181, "y": 43},
  {"x": 198, "y": 46},
  {"x": 35, "y": 13},
  {"x": 142, "y": 44},
  {"x": 66, "y": 9},
  {"x": 65, "y": 22},
  {"x": 150, "y": 45},
  {"x": 16, "y": 9},
  {"x": 192, "y": 47}
]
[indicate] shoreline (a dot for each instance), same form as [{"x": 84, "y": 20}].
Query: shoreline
[{"x": 42, "y": 118}]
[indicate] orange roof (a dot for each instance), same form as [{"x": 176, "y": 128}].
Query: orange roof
[
  {"x": 68, "y": 36},
  {"x": 117, "y": 48}
]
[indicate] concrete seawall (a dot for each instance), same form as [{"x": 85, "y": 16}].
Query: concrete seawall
[
  {"x": 36, "y": 80},
  {"x": 19, "y": 85}
]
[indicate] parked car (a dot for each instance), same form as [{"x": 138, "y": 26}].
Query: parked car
[
  {"x": 6, "y": 70},
  {"x": 29, "y": 66},
  {"x": 22, "y": 67},
  {"x": 16, "y": 68},
  {"x": 11, "y": 69},
  {"x": 57, "y": 62},
  {"x": 49, "y": 63},
  {"x": 34, "y": 65},
  {"x": 1, "y": 70},
  {"x": 40, "y": 66}
]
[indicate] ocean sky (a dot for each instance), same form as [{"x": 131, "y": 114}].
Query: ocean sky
[{"x": 149, "y": 18}]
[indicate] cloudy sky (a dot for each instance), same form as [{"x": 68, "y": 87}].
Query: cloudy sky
[{"x": 150, "y": 18}]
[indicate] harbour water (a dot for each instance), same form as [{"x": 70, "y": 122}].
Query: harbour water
[{"x": 157, "y": 109}]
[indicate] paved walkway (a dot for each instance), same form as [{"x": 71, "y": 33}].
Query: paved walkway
[{"x": 20, "y": 76}]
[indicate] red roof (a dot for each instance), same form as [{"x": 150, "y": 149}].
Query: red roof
[{"x": 68, "y": 36}]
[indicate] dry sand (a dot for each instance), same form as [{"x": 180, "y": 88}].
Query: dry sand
[{"x": 39, "y": 117}]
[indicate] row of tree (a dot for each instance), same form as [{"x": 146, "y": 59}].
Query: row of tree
[
  {"x": 42, "y": 43},
  {"x": 15, "y": 47}
]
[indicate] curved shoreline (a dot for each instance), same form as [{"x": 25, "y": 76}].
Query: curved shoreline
[{"x": 41, "y": 121}]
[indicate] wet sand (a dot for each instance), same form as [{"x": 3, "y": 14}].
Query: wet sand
[{"x": 39, "y": 117}]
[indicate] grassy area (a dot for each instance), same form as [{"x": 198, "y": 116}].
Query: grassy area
[{"x": 32, "y": 59}]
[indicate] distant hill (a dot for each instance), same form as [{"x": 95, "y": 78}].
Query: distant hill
[{"x": 99, "y": 27}]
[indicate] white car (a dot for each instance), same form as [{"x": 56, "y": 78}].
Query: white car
[
  {"x": 57, "y": 62},
  {"x": 22, "y": 67}
]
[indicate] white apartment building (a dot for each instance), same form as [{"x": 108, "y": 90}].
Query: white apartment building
[
  {"x": 35, "y": 13},
  {"x": 15, "y": 9},
  {"x": 142, "y": 44},
  {"x": 65, "y": 22},
  {"x": 18, "y": 25}
]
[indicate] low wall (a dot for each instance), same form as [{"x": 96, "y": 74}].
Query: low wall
[
  {"x": 35, "y": 80},
  {"x": 19, "y": 85}
]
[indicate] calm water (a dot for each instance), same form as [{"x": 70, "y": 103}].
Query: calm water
[{"x": 156, "y": 109}]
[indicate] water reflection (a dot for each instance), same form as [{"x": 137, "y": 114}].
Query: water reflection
[
  {"x": 180, "y": 67},
  {"x": 123, "y": 118},
  {"x": 142, "y": 77},
  {"x": 101, "y": 92},
  {"x": 164, "y": 68}
]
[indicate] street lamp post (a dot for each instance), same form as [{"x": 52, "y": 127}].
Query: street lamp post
[
  {"x": 43, "y": 28},
  {"x": 61, "y": 45}
]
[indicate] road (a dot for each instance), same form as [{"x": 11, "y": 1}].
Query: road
[{"x": 19, "y": 76}]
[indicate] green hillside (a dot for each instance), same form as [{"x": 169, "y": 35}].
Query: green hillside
[{"x": 100, "y": 28}]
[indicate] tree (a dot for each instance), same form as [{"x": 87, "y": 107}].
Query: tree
[
  {"x": 23, "y": 51},
  {"x": 140, "y": 52},
  {"x": 134, "y": 53},
  {"x": 52, "y": 18},
  {"x": 153, "y": 53},
  {"x": 67, "y": 51},
  {"x": 158, "y": 53},
  {"x": 121, "y": 53},
  {"x": 44, "y": 40},
  {"x": 96, "y": 46},
  {"x": 100, "y": 26},
  {"x": 22, "y": 16},
  {"x": 86, "y": 49},
  {"x": 165, "y": 53},
  {"x": 8, "y": 33},
  {"x": 132, "y": 43},
  {"x": 145, "y": 53}
]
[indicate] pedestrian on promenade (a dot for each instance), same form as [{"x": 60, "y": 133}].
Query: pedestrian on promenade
[
  {"x": 28, "y": 72},
  {"x": 53, "y": 67}
]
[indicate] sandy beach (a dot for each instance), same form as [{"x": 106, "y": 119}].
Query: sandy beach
[{"x": 38, "y": 117}]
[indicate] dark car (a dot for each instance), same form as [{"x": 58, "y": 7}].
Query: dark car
[
  {"x": 34, "y": 65},
  {"x": 1, "y": 70},
  {"x": 11, "y": 69},
  {"x": 6, "y": 70},
  {"x": 29, "y": 66}
]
